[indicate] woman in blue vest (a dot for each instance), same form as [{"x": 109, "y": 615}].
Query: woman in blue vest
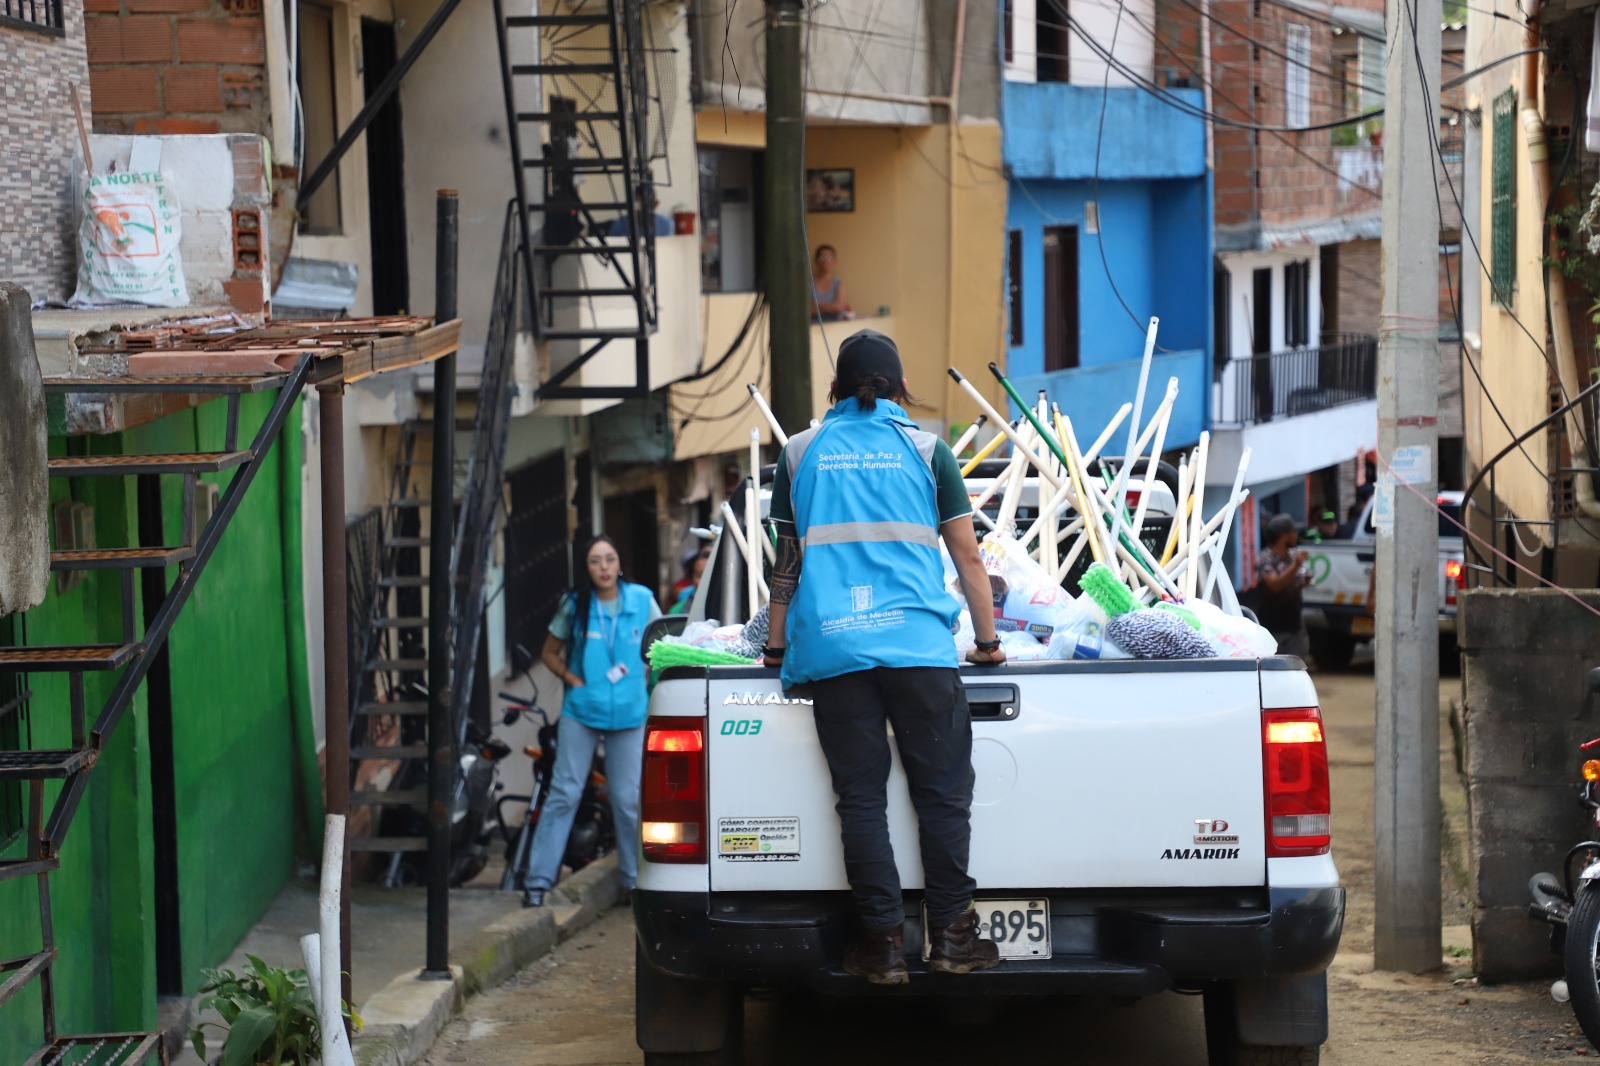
[
  {"x": 864, "y": 500},
  {"x": 593, "y": 647}
]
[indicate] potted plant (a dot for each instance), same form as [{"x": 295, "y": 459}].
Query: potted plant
[{"x": 268, "y": 1016}]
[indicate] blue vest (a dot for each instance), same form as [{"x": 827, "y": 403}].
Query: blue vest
[
  {"x": 598, "y": 703},
  {"x": 872, "y": 584}
]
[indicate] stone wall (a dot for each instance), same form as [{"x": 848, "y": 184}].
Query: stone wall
[
  {"x": 24, "y": 478},
  {"x": 1527, "y": 654},
  {"x": 39, "y": 135}
]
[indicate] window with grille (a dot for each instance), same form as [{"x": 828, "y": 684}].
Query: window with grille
[
  {"x": 1297, "y": 76},
  {"x": 41, "y": 16},
  {"x": 1503, "y": 200}
]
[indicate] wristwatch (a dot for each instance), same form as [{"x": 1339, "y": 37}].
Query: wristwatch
[{"x": 769, "y": 652}]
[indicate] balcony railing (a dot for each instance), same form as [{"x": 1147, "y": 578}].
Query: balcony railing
[{"x": 1342, "y": 370}]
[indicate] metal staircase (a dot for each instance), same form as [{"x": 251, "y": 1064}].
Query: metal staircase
[
  {"x": 576, "y": 84},
  {"x": 389, "y": 707},
  {"x": 134, "y": 654}
]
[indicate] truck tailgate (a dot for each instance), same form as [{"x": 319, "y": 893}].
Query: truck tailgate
[{"x": 1089, "y": 775}]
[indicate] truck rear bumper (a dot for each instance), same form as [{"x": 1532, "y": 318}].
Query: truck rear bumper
[{"x": 1101, "y": 947}]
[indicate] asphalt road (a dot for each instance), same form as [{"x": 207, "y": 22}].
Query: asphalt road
[{"x": 575, "y": 1007}]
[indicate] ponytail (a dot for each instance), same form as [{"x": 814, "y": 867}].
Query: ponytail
[{"x": 870, "y": 389}]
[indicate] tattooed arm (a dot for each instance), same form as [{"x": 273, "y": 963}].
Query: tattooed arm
[{"x": 785, "y": 580}]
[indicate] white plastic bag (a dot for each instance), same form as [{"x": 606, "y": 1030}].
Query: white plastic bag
[
  {"x": 1021, "y": 647},
  {"x": 1233, "y": 636},
  {"x": 128, "y": 243},
  {"x": 1026, "y": 599}
]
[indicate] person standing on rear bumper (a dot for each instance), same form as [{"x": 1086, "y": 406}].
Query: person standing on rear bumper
[{"x": 863, "y": 499}]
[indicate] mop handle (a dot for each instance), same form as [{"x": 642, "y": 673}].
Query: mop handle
[
  {"x": 772, "y": 420},
  {"x": 966, "y": 438},
  {"x": 1027, "y": 412},
  {"x": 978, "y": 398},
  {"x": 983, "y": 453}
]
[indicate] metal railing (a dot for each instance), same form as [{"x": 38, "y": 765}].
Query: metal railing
[{"x": 1342, "y": 370}]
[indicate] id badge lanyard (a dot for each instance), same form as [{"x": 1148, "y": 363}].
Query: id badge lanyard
[{"x": 609, "y": 634}]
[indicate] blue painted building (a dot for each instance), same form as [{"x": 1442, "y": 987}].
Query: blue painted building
[{"x": 1083, "y": 225}]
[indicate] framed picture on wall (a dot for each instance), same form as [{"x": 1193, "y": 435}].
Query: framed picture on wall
[{"x": 830, "y": 190}]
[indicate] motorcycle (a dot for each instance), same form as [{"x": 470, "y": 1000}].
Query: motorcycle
[
  {"x": 593, "y": 833},
  {"x": 1571, "y": 905},
  {"x": 473, "y": 812}
]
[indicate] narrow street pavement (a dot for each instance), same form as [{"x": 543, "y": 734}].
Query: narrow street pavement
[{"x": 575, "y": 1007}]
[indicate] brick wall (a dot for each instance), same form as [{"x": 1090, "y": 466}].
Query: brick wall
[
  {"x": 1274, "y": 178},
  {"x": 178, "y": 66},
  {"x": 39, "y": 137}
]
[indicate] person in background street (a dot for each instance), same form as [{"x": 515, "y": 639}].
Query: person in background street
[
  {"x": 1281, "y": 574},
  {"x": 593, "y": 647},
  {"x": 1352, "y": 518},
  {"x": 827, "y": 288},
  {"x": 866, "y": 626},
  {"x": 1326, "y": 528},
  {"x": 694, "y": 570}
]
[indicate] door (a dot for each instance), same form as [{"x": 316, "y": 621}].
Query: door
[
  {"x": 386, "y": 187},
  {"x": 1060, "y": 297},
  {"x": 536, "y": 549},
  {"x": 1261, "y": 342}
]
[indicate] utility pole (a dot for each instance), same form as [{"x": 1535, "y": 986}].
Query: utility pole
[
  {"x": 1406, "y": 764},
  {"x": 788, "y": 258}
]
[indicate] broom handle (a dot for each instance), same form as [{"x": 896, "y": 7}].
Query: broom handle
[
  {"x": 766, "y": 412},
  {"x": 988, "y": 408},
  {"x": 966, "y": 438},
  {"x": 1227, "y": 524}
]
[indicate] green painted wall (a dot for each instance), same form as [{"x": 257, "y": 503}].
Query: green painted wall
[
  {"x": 231, "y": 708},
  {"x": 236, "y": 774}
]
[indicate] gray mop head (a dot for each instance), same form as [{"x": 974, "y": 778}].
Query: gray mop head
[
  {"x": 1151, "y": 634},
  {"x": 755, "y": 630}
]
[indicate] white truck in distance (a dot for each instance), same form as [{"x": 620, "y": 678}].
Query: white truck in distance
[
  {"x": 1334, "y": 605},
  {"x": 1137, "y": 827}
]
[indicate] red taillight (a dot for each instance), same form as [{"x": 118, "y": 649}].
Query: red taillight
[
  {"x": 1294, "y": 757},
  {"x": 1133, "y": 498},
  {"x": 1452, "y": 579},
  {"x": 672, "y": 791}
]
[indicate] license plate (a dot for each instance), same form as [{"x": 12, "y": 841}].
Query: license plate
[
  {"x": 1361, "y": 626},
  {"x": 1020, "y": 928}
]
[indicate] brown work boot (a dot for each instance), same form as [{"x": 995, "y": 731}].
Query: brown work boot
[
  {"x": 957, "y": 948},
  {"x": 879, "y": 957}
]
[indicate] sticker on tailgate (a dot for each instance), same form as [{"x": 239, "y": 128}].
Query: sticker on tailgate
[{"x": 758, "y": 839}]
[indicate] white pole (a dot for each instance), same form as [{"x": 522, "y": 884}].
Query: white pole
[
  {"x": 730, "y": 523},
  {"x": 311, "y": 954},
  {"x": 766, "y": 412},
  {"x": 1138, "y": 395},
  {"x": 1162, "y": 419},
  {"x": 1227, "y": 524},
  {"x": 752, "y": 524},
  {"x": 1105, "y": 434},
  {"x": 1199, "y": 514},
  {"x": 966, "y": 438},
  {"x": 988, "y": 409},
  {"x": 335, "y": 1041}
]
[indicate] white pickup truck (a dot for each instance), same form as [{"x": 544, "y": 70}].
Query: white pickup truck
[
  {"x": 1334, "y": 605},
  {"x": 1138, "y": 827}
]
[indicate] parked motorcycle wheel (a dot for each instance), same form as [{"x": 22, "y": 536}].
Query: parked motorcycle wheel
[{"x": 1582, "y": 961}]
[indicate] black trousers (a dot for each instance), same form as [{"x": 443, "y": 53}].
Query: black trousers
[{"x": 933, "y": 730}]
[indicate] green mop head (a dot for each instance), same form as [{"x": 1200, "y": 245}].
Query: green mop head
[
  {"x": 664, "y": 654},
  {"x": 1106, "y": 589},
  {"x": 1192, "y": 619}
]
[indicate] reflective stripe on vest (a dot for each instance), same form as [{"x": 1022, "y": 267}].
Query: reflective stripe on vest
[{"x": 864, "y": 532}]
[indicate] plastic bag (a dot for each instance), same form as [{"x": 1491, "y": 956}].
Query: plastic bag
[
  {"x": 128, "y": 243},
  {"x": 1232, "y": 636},
  {"x": 1026, "y": 599},
  {"x": 1021, "y": 647}
]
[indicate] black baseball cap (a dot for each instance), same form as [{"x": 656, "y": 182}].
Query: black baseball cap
[{"x": 864, "y": 354}]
